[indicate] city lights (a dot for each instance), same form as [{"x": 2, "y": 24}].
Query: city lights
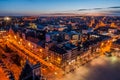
[
  {"x": 29, "y": 44},
  {"x": 41, "y": 50},
  {"x": 7, "y": 18},
  {"x": 55, "y": 47},
  {"x": 20, "y": 39},
  {"x": 19, "y": 42},
  {"x": 55, "y": 73},
  {"x": 15, "y": 37}
]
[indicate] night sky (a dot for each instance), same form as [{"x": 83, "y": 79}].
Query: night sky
[{"x": 37, "y": 7}]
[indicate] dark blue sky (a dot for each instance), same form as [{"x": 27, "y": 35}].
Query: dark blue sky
[{"x": 37, "y": 7}]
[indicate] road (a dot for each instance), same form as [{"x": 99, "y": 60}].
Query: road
[
  {"x": 51, "y": 69},
  {"x": 82, "y": 73}
]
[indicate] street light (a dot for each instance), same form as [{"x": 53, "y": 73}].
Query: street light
[
  {"x": 40, "y": 50},
  {"x": 20, "y": 39},
  {"x": 9, "y": 36},
  {"x": 55, "y": 73},
  {"x": 58, "y": 59},
  {"x": 102, "y": 44},
  {"x": 15, "y": 37},
  {"x": 19, "y": 42},
  {"x": 28, "y": 44}
]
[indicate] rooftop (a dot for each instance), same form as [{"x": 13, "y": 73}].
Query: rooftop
[
  {"x": 58, "y": 50},
  {"x": 118, "y": 41},
  {"x": 95, "y": 41}
]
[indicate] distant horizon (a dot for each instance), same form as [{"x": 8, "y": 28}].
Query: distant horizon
[
  {"x": 59, "y": 7},
  {"x": 55, "y": 14}
]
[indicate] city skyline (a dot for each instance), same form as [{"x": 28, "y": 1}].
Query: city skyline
[
  {"x": 59, "y": 39},
  {"x": 59, "y": 7}
]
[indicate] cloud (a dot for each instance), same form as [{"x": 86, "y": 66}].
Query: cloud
[
  {"x": 97, "y": 8},
  {"x": 83, "y": 9},
  {"x": 108, "y": 11},
  {"x": 90, "y": 9},
  {"x": 115, "y": 7}
]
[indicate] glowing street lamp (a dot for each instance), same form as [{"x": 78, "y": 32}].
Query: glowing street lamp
[
  {"x": 32, "y": 46},
  {"x": 19, "y": 42},
  {"x": 55, "y": 73},
  {"x": 58, "y": 59},
  {"x": 40, "y": 50},
  {"x": 8, "y": 35},
  {"x": 102, "y": 44},
  {"x": 29, "y": 44},
  {"x": 15, "y": 37},
  {"x": 20, "y": 39}
]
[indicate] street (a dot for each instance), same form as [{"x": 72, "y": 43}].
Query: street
[{"x": 101, "y": 67}]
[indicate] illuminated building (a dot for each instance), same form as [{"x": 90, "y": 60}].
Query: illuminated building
[
  {"x": 66, "y": 55},
  {"x": 62, "y": 47},
  {"x": 72, "y": 35},
  {"x": 29, "y": 18},
  {"x": 32, "y": 25}
]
